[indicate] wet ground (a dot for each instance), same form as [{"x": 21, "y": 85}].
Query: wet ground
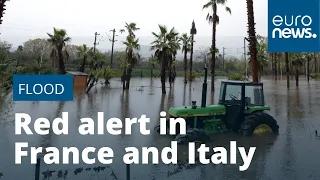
[{"x": 293, "y": 154}]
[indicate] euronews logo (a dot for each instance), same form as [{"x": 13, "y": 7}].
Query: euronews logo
[{"x": 296, "y": 27}]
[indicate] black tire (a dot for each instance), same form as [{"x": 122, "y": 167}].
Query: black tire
[
  {"x": 192, "y": 135},
  {"x": 254, "y": 120}
]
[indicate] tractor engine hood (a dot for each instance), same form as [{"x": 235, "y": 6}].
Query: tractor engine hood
[{"x": 197, "y": 111}]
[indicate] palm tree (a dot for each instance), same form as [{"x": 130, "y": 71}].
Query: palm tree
[
  {"x": 262, "y": 55},
  {"x": 253, "y": 41},
  {"x": 186, "y": 46},
  {"x": 174, "y": 45},
  {"x": 100, "y": 60},
  {"x": 132, "y": 57},
  {"x": 59, "y": 39},
  {"x": 309, "y": 57},
  {"x": 83, "y": 51},
  {"x": 152, "y": 62},
  {"x": 130, "y": 28},
  {"x": 166, "y": 45},
  {"x": 214, "y": 19}
]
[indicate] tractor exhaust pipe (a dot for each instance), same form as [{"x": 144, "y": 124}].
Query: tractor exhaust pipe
[{"x": 204, "y": 88}]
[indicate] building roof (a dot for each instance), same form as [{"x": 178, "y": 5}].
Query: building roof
[{"x": 77, "y": 73}]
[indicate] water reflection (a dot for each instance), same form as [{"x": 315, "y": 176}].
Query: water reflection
[
  {"x": 184, "y": 94},
  {"x": 46, "y": 140},
  {"x": 288, "y": 161},
  {"x": 190, "y": 93}
]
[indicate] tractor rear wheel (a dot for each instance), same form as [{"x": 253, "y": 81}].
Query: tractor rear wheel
[
  {"x": 258, "y": 123},
  {"x": 192, "y": 135}
]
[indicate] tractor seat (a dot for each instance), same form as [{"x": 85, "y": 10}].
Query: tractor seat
[{"x": 232, "y": 115}]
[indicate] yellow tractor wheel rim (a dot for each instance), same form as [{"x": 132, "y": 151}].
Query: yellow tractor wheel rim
[{"x": 262, "y": 129}]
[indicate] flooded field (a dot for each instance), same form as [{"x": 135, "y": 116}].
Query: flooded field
[{"x": 293, "y": 154}]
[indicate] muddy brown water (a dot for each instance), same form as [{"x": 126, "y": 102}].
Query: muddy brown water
[{"x": 293, "y": 154}]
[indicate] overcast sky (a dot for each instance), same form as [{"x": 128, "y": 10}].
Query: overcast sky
[{"x": 27, "y": 19}]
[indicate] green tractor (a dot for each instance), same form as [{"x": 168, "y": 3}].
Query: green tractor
[{"x": 241, "y": 109}]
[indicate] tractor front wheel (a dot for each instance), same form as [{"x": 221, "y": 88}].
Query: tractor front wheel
[
  {"x": 192, "y": 135},
  {"x": 258, "y": 123}
]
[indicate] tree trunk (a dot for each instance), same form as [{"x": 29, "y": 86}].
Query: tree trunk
[
  {"x": 213, "y": 47},
  {"x": 297, "y": 76},
  {"x": 287, "y": 69},
  {"x": 170, "y": 76},
  {"x": 174, "y": 73},
  {"x": 315, "y": 65},
  {"x": 308, "y": 68},
  {"x": 185, "y": 65},
  {"x": 163, "y": 79},
  {"x": 276, "y": 67},
  {"x": 163, "y": 72},
  {"x": 151, "y": 73},
  {"x": 191, "y": 59},
  {"x": 253, "y": 41},
  {"x": 273, "y": 65},
  {"x": 123, "y": 79},
  {"x": 279, "y": 64},
  {"x": 62, "y": 69}
]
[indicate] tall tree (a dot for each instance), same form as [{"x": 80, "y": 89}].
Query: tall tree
[
  {"x": 253, "y": 41},
  {"x": 132, "y": 57},
  {"x": 165, "y": 46},
  {"x": 174, "y": 46},
  {"x": 131, "y": 28},
  {"x": 59, "y": 39},
  {"x": 214, "y": 19},
  {"x": 83, "y": 52},
  {"x": 35, "y": 48},
  {"x": 286, "y": 58},
  {"x": 186, "y": 46}
]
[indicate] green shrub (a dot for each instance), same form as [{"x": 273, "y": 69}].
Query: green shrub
[
  {"x": 236, "y": 77},
  {"x": 315, "y": 75},
  {"x": 107, "y": 74}
]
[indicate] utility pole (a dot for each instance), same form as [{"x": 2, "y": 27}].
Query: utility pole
[
  {"x": 193, "y": 31},
  {"x": 94, "y": 47},
  {"x": 95, "y": 42},
  {"x": 113, "y": 41}
]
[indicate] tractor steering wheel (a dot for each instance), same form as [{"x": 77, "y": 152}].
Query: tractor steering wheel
[{"x": 233, "y": 97}]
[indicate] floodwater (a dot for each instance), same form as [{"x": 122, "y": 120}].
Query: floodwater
[{"x": 293, "y": 154}]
